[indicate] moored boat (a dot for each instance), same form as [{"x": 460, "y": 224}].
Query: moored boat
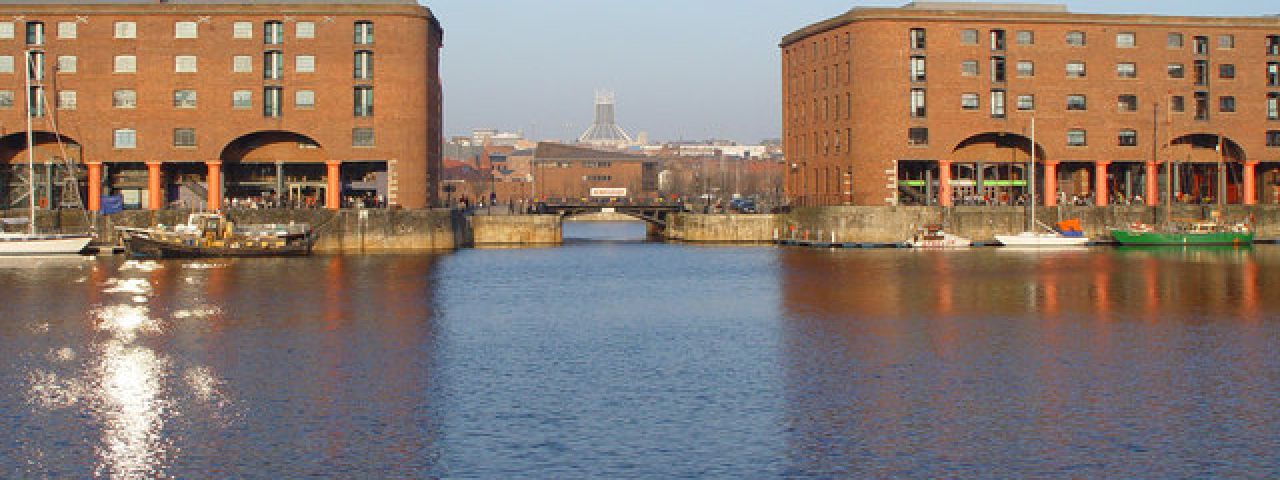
[
  {"x": 933, "y": 236},
  {"x": 14, "y": 244},
  {"x": 212, "y": 235},
  {"x": 1200, "y": 233}
]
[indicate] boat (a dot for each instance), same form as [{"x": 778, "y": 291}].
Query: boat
[
  {"x": 1068, "y": 233},
  {"x": 210, "y": 235},
  {"x": 32, "y": 242},
  {"x": 933, "y": 236},
  {"x": 1198, "y": 233}
]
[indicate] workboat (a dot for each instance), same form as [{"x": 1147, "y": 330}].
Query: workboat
[
  {"x": 1199, "y": 233},
  {"x": 933, "y": 236},
  {"x": 212, "y": 235}
]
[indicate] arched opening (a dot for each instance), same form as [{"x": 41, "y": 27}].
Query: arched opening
[
  {"x": 991, "y": 169},
  {"x": 57, "y": 162},
  {"x": 1207, "y": 169}
]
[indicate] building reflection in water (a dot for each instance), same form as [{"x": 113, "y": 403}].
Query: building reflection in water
[{"x": 900, "y": 362}]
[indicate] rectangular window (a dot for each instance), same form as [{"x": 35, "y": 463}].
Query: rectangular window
[
  {"x": 67, "y": 30},
  {"x": 242, "y": 64},
  {"x": 1200, "y": 45},
  {"x": 363, "y": 65},
  {"x": 969, "y": 37},
  {"x": 917, "y": 136},
  {"x": 1273, "y": 44},
  {"x": 1126, "y": 40},
  {"x": 364, "y": 33},
  {"x": 1202, "y": 105},
  {"x": 305, "y": 99},
  {"x": 997, "y": 104},
  {"x": 35, "y": 33},
  {"x": 1273, "y": 138},
  {"x": 1178, "y": 104},
  {"x": 1226, "y": 71},
  {"x": 6, "y": 98},
  {"x": 1177, "y": 70},
  {"x": 1127, "y": 103},
  {"x": 1273, "y": 74},
  {"x": 184, "y": 64},
  {"x": 273, "y": 65},
  {"x": 1201, "y": 71},
  {"x": 364, "y": 101},
  {"x": 1227, "y": 104},
  {"x": 6, "y": 64},
  {"x": 1174, "y": 40},
  {"x": 917, "y": 69},
  {"x": 37, "y": 65},
  {"x": 184, "y": 137},
  {"x": 125, "y": 64},
  {"x": 1273, "y": 106},
  {"x": 1226, "y": 42},
  {"x": 125, "y": 138},
  {"x": 124, "y": 99},
  {"x": 1076, "y": 138},
  {"x": 969, "y": 101},
  {"x": 271, "y": 97},
  {"x": 185, "y": 30},
  {"x": 1075, "y": 39},
  {"x": 304, "y": 30},
  {"x": 1076, "y": 102},
  {"x": 1128, "y": 138},
  {"x": 1026, "y": 68},
  {"x": 969, "y": 68},
  {"x": 6, "y": 31},
  {"x": 184, "y": 99},
  {"x": 997, "y": 40},
  {"x": 362, "y": 137},
  {"x": 998, "y": 69},
  {"x": 917, "y": 103},
  {"x": 242, "y": 99},
  {"x": 1026, "y": 102},
  {"x": 916, "y": 39},
  {"x": 304, "y": 63},
  {"x": 272, "y": 33},
  {"x": 126, "y": 30},
  {"x": 1025, "y": 37},
  {"x": 36, "y": 94},
  {"x": 67, "y": 100},
  {"x": 66, "y": 64},
  {"x": 1127, "y": 70},
  {"x": 1075, "y": 69},
  {"x": 242, "y": 30}
]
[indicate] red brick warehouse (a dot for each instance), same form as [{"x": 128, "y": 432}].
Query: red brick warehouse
[
  {"x": 932, "y": 103},
  {"x": 189, "y": 102}
]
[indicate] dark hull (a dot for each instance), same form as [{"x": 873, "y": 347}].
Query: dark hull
[{"x": 145, "y": 247}]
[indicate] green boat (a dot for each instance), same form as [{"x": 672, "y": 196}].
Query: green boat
[{"x": 1197, "y": 234}]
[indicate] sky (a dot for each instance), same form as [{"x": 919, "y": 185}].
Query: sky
[{"x": 680, "y": 69}]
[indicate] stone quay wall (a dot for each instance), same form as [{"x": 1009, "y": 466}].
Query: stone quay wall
[
  {"x": 511, "y": 230},
  {"x": 721, "y": 228}
]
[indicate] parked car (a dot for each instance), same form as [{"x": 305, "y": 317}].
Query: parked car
[{"x": 743, "y": 205}]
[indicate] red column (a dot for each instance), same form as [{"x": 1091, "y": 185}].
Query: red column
[
  {"x": 1153, "y": 184},
  {"x": 214, "y": 185},
  {"x": 1250, "y": 183},
  {"x": 1050, "y": 193},
  {"x": 944, "y": 183},
  {"x": 95, "y": 186},
  {"x": 1100, "y": 189},
  {"x": 155, "y": 191},
  {"x": 333, "y": 193}
]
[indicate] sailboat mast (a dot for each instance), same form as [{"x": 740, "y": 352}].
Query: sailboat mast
[
  {"x": 31, "y": 155},
  {"x": 1032, "y": 183}
]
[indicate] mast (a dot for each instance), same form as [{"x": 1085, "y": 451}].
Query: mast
[
  {"x": 31, "y": 155},
  {"x": 1032, "y": 183}
]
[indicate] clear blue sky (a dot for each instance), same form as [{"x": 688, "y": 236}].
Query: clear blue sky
[{"x": 689, "y": 69}]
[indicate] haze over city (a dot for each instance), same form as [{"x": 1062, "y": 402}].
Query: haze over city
[{"x": 680, "y": 69}]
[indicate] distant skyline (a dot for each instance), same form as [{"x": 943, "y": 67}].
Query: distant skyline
[{"x": 680, "y": 69}]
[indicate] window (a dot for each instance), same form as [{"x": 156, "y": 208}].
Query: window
[
  {"x": 6, "y": 30},
  {"x": 185, "y": 30},
  {"x": 124, "y": 99},
  {"x": 184, "y": 99},
  {"x": 997, "y": 69},
  {"x": 35, "y": 33},
  {"x": 1075, "y": 69},
  {"x": 364, "y": 101},
  {"x": 1273, "y": 106},
  {"x": 272, "y": 65},
  {"x": 969, "y": 68},
  {"x": 969, "y": 101},
  {"x": 1174, "y": 40},
  {"x": 1202, "y": 105},
  {"x": 1025, "y": 37},
  {"x": 1226, "y": 42},
  {"x": 917, "y": 136},
  {"x": 242, "y": 30},
  {"x": 1273, "y": 74},
  {"x": 362, "y": 137},
  {"x": 304, "y": 30},
  {"x": 1076, "y": 138},
  {"x": 968, "y": 37},
  {"x": 184, "y": 137},
  {"x": 917, "y": 103},
  {"x": 184, "y": 64},
  {"x": 363, "y": 65},
  {"x": 125, "y": 138},
  {"x": 126, "y": 30},
  {"x": 242, "y": 99},
  {"x": 1226, "y": 71},
  {"x": 997, "y": 103},
  {"x": 1273, "y": 138},
  {"x": 1076, "y": 102},
  {"x": 1178, "y": 104},
  {"x": 36, "y": 94},
  {"x": 304, "y": 63},
  {"x": 273, "y": 33},
  {"x": 6, "y": 64},
  {"x": 364, "y": 33},
  {"x": 67, "y": 100},
  {"x": 6, "y": 98},
  {"x": 1227, "y": 104},
  {"x": 304, "y": 99},
  {"x": 271, "y": 101},
  {"x": 1075, "y": 39},
  {"x": 1026, "y": 68},
  {"x": 1201, "y": 68},
  {"x": 125, "y": 64},
  {"x": 1128, "y": 138},
  {"x": 1273, "y": 44},
  {"x": 916, "y": 39},
  {"x": 1127, "y": 103},
  {"x": 997, "y": 40},
  {"x": 66, "y": 30},
  {"x": 917, "y": 69},
  {"x": 1026, "y": 102},
  {"x": 37, "y": 65},
  {"x": 1126, "y": 40},
  {"x": 1200, "y": 45},
  {"x": 242, "y": 64},
  {"x": 1177, "y": 70},
  {"x": 66, "y": 64},
  {"x": 1127, "y": 70}
]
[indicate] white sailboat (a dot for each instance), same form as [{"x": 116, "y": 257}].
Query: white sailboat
[
  {"x": 32, "y": 242},
  {"x": 1049, "y": 237}
]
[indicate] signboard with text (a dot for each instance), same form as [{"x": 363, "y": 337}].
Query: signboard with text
[{"x": 608, "y": 192}]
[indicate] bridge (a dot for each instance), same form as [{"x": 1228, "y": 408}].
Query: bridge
[{"x": 655, "y": 214}]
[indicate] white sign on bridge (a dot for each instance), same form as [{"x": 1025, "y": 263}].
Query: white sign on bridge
[{"x": 608, "y": 192}]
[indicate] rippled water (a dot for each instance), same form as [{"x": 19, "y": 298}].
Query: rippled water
[{"x": 617, "y": 359}]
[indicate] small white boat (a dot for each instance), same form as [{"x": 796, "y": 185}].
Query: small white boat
[
  {"x": 1036, "y": 239},
  {"x": 932, "y": 236},
  {"x": 13, "y": 244}
]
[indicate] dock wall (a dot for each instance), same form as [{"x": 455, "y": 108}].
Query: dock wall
[{"x": 507, "y": 230}]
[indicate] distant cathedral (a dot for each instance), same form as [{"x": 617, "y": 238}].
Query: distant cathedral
[{"x": 605, "y": 132}]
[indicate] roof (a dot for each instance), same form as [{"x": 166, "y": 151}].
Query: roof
[{"x": 554, "y": 150}]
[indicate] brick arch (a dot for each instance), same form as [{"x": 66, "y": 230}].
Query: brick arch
[
  {"x": 271, "y": 146},
  {"x": 999, "y": 147},
  {"x": 1203, "y": 148},
  {"x": 13, "y": 147}
]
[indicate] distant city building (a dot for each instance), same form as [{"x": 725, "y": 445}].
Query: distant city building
[
  {"x": 569, "y": 172},
  {"x": 933, "y": 103},
  {"x": 604, "y": 131}
]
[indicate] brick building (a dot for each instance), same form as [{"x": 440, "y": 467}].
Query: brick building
[
  {"x": 933, "y": 103},
  {"x": 200, "y": 101},
  {"x": 570, "y": 173}
]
